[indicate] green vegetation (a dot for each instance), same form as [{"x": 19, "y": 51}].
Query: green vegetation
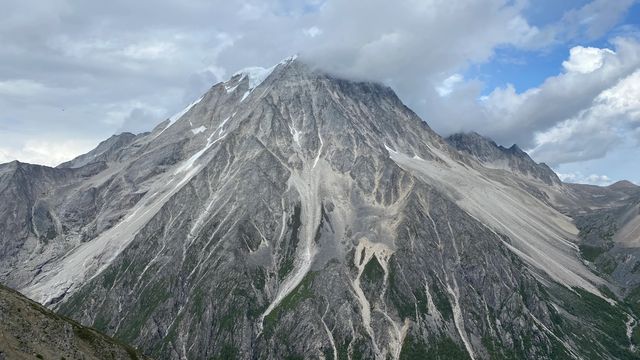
[
  {"x": 443, "y": 348},
  {"x": 357, "y": 350},
  {"x": 149, "y": 300},
  {"x": 343, "y": 351},
  {"x": 228, "y": 352},
  {"x": 301, "y": 292},
  {"x": 373, "y": 271},
  {"x": 635, "y": 336},
  {"x": 84, "y": 334},
  {"x": 91, "y": 336},
  {"x": 633, "y": 300},
  {"x": 597, "y": 227},
  {"x": 294, "y": 357},
  {"x": 601, "y": 332},
  {"x": 590, "y": 253},
  {"x": 497, "y": 351},
  {"x": 607, "y": 264},
  {"x": 405, "y": 308},
  {"x": 109, "y": 278},
  {"x": 441, "y": 301},
  {"x": 289, "y": 250},
  {"x": 286, "y": 267}
]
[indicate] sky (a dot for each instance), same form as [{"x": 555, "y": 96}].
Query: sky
[{"x": 559, "y": 78}]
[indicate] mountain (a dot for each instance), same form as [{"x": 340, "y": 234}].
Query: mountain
[
  {"x": 494, "y": 156},
  {"x": 107, "y": 150},
  {"x": 288, "y": 213},
  {"x": 30, "y": 331},
  {"x": 607, "y": 218},
  {"x": 610, "y": 232}
]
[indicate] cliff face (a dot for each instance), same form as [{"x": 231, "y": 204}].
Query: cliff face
[{"x": 289, "y": 213}]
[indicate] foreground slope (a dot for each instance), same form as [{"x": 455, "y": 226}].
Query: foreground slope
[
  {"x": 28, "y": 331},
  {"x": 289, "y": 213}
]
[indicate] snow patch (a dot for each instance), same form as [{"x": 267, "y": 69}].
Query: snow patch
[
  {"x": 315, "y": 162},
  {"x": 390, "y": 150},
  {"x": 230, "y": 89},
  {"x": 294, "y": 133},
  {"x": 198, "y": 130},
  {"x": 257, "y": 75},
  {"x": 189, "y": 163},
  {"x": 220, "y": 127},
  {"x": 180, "y": 114},
  {"x": 631, "y": 324}
]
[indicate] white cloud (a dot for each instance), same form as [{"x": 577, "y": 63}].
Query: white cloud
[
  {"x": 612, "y": 118},
  {"x": 45, "y": 152},
  {"x": 313, "y": 31},
  {"x": 593, "y": 19},
  {"x": 250, "y": 11},
  {"x": 120, "y": 55},
  {"x": 446, "y": 87},
  {"x": 21, "y": 88},
  {"x": 150, "y": 51},
  {"x": 509, "y": 116},
  {"x": 593, "y": 179},
  {"x": 586, "y": 59}
]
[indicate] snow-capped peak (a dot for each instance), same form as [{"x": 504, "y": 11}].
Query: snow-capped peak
[{"x": 257, "y": 75}]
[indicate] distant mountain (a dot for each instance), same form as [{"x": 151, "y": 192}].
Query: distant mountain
[
  {"x": 30, "y": 331},
  {"x": 494, "y": 156},
  {"x": 107, "y": 150},
  {"x": 290, "y": 214}
]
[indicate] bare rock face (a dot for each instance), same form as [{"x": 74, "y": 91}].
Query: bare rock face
[
  {"x": 290, "y": 214},
  {"x": 494, "y": 156},
  {"x": 30, "y": 331},
  {"x": 108, "y": 150}
]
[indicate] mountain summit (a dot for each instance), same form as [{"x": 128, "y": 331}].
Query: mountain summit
[{"x": 288, "y": 213}]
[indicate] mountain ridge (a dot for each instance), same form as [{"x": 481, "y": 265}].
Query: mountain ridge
[
  {"x": 31, "y": 331},
  {"x": 307, "y": 215},
  {"x": 498, "y": 157}
]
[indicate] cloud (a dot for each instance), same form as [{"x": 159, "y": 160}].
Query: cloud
[
  {"x": 612, "y": 118},
  {"x": 593, "y": 179},
  {"x": 21, "y": 88},
  {"x": 593, "y": 19},
  {"x": 313, "y": 31},
  {"x": 512, "y": 117},
  {"x": 89, "y": 69},
  {"x": 40, "y": 151},
  {"x": 448, "y": 84},
  {"x": 413, "y": 42},
  {"x": 585, "y": 60}
]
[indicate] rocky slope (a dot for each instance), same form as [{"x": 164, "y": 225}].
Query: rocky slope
[
  {"x": 291, "y": 214},
  {"x": 30, "y": 331},
  {"x": 494, "y": 156},
  {"x": 610, "y": 231},
  {"x": 607, "y": 218}
]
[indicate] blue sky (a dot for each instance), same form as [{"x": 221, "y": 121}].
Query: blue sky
[
  {"x": 556, "y": 77},
  {"x": 526, "y": 69}
]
